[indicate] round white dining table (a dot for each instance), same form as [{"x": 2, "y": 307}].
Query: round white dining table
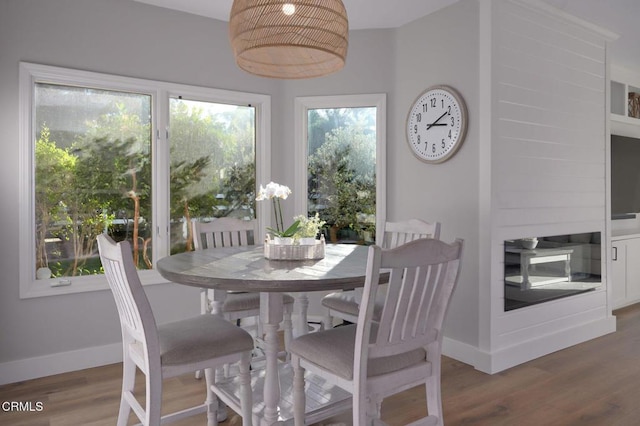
[{"x": 245, "y": 268}]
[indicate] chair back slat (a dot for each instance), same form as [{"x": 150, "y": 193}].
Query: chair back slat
[
  {"x": 423, "y": 274},
  {"x": 134, "y": 309},
  {"x": 223, "y": 232},
  {"x": 399, "y": 233}
]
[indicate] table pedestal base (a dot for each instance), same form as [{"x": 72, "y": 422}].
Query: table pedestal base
[{"x": 323, "y": 400}]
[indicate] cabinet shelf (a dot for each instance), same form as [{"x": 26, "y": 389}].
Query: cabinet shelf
[
  {"x": 623, "y": 82},
  {"x": 625, "y": 96}
]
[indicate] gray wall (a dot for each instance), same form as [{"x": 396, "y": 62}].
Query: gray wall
[
  {"x": 441, "y": 48},
  {"x": 127, "y": 38}
]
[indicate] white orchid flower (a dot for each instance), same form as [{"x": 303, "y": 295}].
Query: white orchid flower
[{"x": 274, "y": 192}]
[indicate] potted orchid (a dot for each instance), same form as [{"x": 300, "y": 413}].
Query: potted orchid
[
  {"x": 275, "y": 192},
  {"x": 308, "y": 228}
]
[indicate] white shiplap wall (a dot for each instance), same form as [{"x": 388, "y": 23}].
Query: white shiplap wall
[{"x": 548, "y": 79}]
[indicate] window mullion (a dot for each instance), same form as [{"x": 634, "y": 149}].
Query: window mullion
[{"x": 161, "y": 160}]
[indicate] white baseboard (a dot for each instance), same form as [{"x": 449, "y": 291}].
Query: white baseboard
[
  {"x": 459, "y": 351},
  {"x": 518, "y": 354},
  {"x": 64, "y": 362}
]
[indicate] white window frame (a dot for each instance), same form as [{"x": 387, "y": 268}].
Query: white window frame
[
  {"x": 302, "y": 105},
  {"x": 160, "y": 92}
]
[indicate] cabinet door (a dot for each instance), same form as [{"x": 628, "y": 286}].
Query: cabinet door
[
  {"x": 632, "y": 260},
  {"x": 618, "y": 273}
]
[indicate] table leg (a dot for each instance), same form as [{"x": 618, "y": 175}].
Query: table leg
[{"x": 271, "y": 314}]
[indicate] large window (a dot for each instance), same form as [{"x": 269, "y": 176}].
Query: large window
[
  {"x": 92, "y": 175},
  {"x": 135, "y": 159},
  {"x": 343, "y": 164}
]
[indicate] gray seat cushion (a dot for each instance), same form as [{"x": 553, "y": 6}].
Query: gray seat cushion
[
  {"x": 200, "y": 338},
  {"x": 334, "y": 349},
  {"x": 346, "y": 301},
  {"x": 247, "y": 301}
]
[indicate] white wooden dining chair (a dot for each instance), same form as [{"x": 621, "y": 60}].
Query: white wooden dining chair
[
  {"x": 204, "y": 342},
  {"x": 233, "y": 232},
  {"x": 345, "y": 304},
  {"x": 373, "y": 360}
]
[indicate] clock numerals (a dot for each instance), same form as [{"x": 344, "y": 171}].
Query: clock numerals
[{"x": 436, "y": 124}]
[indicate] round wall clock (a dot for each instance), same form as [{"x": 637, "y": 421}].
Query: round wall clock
[{"x": 437, "y": 124}]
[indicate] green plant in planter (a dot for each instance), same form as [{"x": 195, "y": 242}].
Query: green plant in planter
[{"x": 308, "y": 227}]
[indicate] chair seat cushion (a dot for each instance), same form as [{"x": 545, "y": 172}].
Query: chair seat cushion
[
  {"x": 334, "y": 349},
  {"x": 235, "y": 302},
  {"x": 200, "y": 338},
  {"x": 348, "y": 302}
]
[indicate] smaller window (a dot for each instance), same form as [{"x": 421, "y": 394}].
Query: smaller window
[{"x": 345, "y": 160}]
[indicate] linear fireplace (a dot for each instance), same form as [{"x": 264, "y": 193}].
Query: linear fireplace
[{"x": 541, "y": 269}]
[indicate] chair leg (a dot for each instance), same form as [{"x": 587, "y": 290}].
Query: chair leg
[
  {"x": 434, "y": 403},
  {"x": 246, "y": 397},
  {"x": 287, "y": 326},
  {"x": 327, "y": 321},
  {"x": 302, "y": 300},
  {"x": 374, "y": 408},
  {"x": 205, "y": 308},
  {"x": 212, "y": 400},
  {"x": 360, "y": 409},
  {"x": 128, "y": 383},
  {"x": 259, "y": 329},
  {"x": 432, "y": 386},
  {"x": 153, "y": 412},
  {"x": 205, "y": 305},
  {"x": 299, "y": 397}
]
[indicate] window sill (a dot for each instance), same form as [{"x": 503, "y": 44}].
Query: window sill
[{"x": 53, "y": 287}]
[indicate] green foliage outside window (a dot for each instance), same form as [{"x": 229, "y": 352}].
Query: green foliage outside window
[
  {"x": 93, "y": 174},
  {"x": 342, "y": 180}
]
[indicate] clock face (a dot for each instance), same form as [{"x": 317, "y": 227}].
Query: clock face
[{"x": 437, "y": 124}]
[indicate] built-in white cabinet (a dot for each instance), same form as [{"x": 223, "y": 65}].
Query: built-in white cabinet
[
  {"x": 625, "y": 238},
  {"x": 625, "y": 270}
]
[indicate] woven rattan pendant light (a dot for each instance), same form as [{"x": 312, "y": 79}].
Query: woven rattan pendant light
[{"x": 289, "y": 39}]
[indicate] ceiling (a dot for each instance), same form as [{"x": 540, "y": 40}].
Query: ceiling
[
  {"x": 362, "y": 13},
  {"x": 619, "y": 16}
]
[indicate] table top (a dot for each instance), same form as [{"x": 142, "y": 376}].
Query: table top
[{"x": 246, "y": 269}]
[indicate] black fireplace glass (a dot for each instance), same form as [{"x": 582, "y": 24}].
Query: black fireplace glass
[{"x": 541, "y": 269}]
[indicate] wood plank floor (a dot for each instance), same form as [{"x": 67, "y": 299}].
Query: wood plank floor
[{"x": 595, "y": 383}]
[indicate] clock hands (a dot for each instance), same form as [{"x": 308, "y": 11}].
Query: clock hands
[{"x": 435, "y": 123}]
